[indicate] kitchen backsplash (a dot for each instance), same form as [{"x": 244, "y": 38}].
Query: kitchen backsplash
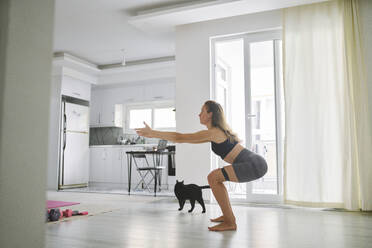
[{"x": 111, "y": 135}]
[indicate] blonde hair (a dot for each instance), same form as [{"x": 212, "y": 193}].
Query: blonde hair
[{"x": 219, "y": 120}]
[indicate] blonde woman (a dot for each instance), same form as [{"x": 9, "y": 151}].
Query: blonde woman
[{"x": 244, "y": 165}]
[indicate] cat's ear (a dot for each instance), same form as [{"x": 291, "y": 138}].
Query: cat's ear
[
  {"x": 182, "y": 181},
  {"x": 176, "y": 181}
]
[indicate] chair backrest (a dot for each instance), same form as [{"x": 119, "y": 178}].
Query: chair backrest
[
  {"x": 162, "y": 145},
  {"x": 139, "y": 155}
]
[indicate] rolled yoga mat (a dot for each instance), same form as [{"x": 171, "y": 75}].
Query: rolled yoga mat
[{"x": 57, "y": 204}]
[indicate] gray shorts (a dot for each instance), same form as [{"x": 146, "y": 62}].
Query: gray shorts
[{"x": 249, "y": 166}]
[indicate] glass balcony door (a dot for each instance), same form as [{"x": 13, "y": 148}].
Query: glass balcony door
[{"x": 247, "y": 82}]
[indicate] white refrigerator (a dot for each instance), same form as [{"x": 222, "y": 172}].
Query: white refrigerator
[{"x": 74, "y": 145}]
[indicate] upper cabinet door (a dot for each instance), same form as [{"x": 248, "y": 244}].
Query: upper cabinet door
[
  {"x": 75, "y": 88},
  {"x": 104, "y": 111},
  {"x": 107, "y": 104},
  {"x": 158, "y": 92},
  {"x": 95, "y": 108},
  {"x": 132, "y": 94},
  {"x": 118, "y": 117}
]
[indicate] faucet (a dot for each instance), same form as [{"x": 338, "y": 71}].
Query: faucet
[{"x": 137, "y": 139}]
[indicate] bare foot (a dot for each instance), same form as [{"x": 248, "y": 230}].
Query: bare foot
[
  {"x": 219, "y": 219},
  {"x": 223, "y": 227}
]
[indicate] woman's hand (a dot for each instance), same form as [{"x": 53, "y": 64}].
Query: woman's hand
[{"x": 145, "y": 132}]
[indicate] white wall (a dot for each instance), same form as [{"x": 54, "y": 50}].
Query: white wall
[
  {"x": 193, "y": 83},
  {"x": 25, "y": 68}
]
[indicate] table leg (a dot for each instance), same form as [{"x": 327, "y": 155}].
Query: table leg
[
  {"x": 156, "y": 176},
  {"x": 160, "y": 164},
  {"x": 129, "y": 158}
]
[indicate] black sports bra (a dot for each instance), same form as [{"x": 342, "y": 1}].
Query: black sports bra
[{"x": 223, "y": 148}]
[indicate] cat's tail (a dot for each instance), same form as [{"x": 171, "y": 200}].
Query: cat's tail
[{"x": 205, "y": 187}]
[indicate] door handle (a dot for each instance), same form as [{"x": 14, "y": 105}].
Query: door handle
[
  {"x": 251, "y": 116},
  {"x": 64, "y": 122},
  {"x": 64, "y": 131},
  {"x": 64, "y": 140}
]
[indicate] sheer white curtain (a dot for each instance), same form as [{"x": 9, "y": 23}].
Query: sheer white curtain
[{"x": 328, "y": 142}]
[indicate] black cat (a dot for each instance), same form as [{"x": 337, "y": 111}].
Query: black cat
[{"x": 190, "y": 192}]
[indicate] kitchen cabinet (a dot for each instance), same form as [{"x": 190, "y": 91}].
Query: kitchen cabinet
[
  {"x": 113, "y": 165},
  {"x": 105, "y": 113},
  {"x": 110, "y": 165},
  {"x": 111, "y": 115},
  {"x": 75, "y": 88},
  {"x": 158, "y": 92},
  {"x": 106, "y": 107},
  {"x": 97, "y": 165},
  {"x": 95, "y": 108},
  {"x": 105, "y": 166},
  {"x": 131, "y": 94}
]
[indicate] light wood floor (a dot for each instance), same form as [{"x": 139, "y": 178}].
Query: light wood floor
[{"x": 142, "y": 221}]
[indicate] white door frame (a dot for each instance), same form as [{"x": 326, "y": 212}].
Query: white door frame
[{"x": 248, "y": 38}]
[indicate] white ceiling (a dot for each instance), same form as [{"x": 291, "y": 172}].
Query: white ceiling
[
  {"x": 97, "y": 30},
  {"x": 166, "y": 19}
]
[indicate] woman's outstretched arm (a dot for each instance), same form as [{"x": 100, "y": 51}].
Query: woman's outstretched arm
[{"x": 198, "y": 137}]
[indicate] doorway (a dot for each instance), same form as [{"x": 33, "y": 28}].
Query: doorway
[{"x": 247, "y": 82}]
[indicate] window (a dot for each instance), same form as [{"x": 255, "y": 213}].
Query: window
[
  {"x": 138, "y": 116},
  {"x": 160, "y": 115},
  {"x": 164, "y": 118}
]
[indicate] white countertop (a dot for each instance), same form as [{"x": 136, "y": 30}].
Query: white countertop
[{"x": 126, "y": 146}]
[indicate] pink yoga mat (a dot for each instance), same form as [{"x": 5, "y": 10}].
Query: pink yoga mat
[{"x": 56, "y": 204}]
